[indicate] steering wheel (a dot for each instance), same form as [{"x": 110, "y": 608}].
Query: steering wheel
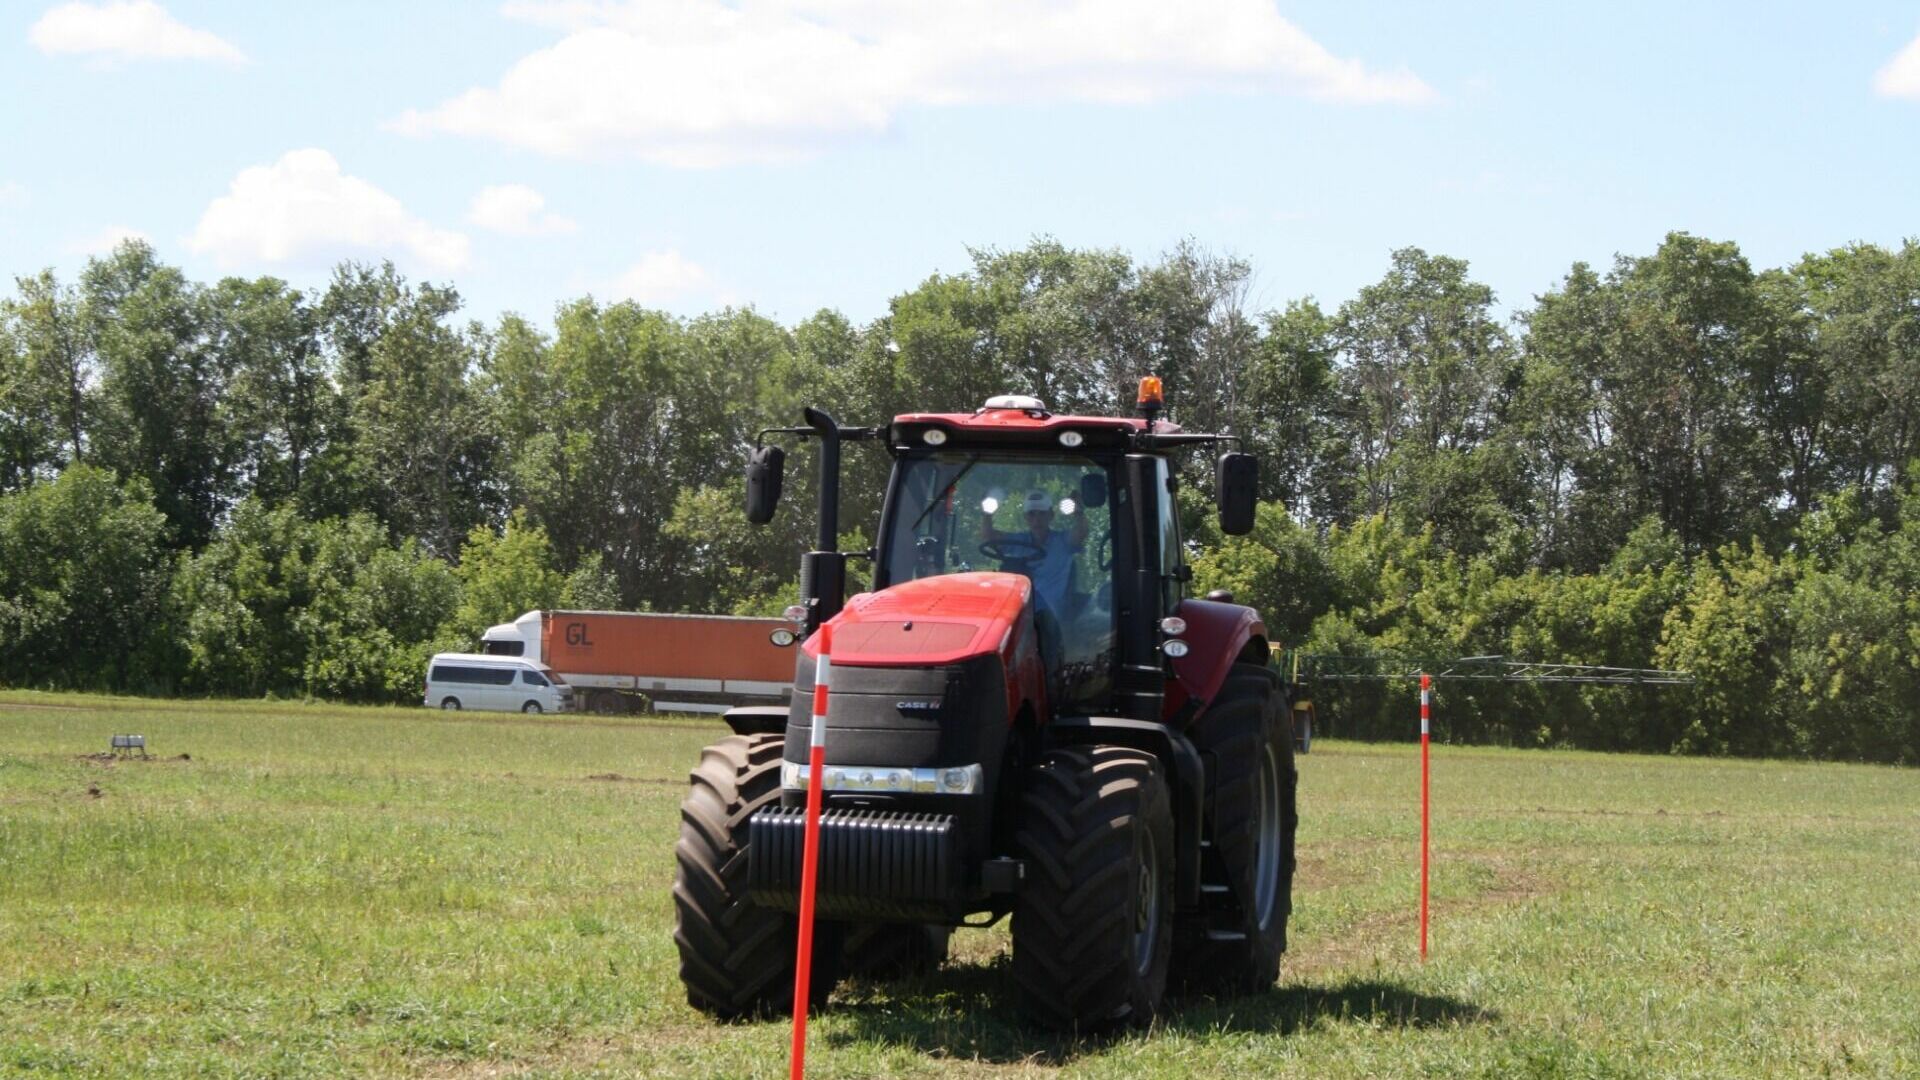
[{"x": 1013, "y": 549}]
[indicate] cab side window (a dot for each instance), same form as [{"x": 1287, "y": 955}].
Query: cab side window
[
  {"x": 533, "y": 678},
  {"x": 1173, "y": 589}
]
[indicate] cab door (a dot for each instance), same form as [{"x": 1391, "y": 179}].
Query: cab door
[{"x": 532, "y": 686}]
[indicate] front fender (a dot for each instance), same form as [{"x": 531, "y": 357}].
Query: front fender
[{"x": 1217, "y": 636}]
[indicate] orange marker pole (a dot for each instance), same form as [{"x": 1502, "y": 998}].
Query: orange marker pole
[
  {"x": 810, "y": 857},
  {"x": 1426, "y": 707}
]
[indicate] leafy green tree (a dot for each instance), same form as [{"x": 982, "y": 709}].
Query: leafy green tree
[
  {"x": 161, "y": 387},
  {"x": 379, "y": 615},
  {"x": 1855, "y": 617},
  {"x": 46, "y": 381},
  {"x": 1288, "y": 418},
  {"x": 1426, "y": 377},
  {"x": 590, "y": 587},
  {"x": 1580, "y": 498},
  {"x": 1667, "y": 352},
  {"x": 622, "y": 410},
  {"x": 239, "y": 602},
  {"x": 423, "y": 448},
  {"x": 1862, "y": 299},
  {"x": 503, "y": 575},
  {"x": 734, "y": 567},
  {"x": 1731, "y": 631},
  {"x": 280, "y": 405},
  {"x": 83, "y": 577}
]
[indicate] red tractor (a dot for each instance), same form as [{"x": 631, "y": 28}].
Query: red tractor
[{"x": 1028, "y": 716}]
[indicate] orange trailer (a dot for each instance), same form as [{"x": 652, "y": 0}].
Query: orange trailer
[{"x": 620, "y": 661}]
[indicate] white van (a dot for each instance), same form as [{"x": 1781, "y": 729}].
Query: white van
[{"x": 499, "y": 683}]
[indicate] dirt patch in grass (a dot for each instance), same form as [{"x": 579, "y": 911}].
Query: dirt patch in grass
[
  {"x": 1369, "y": 940},
  {"x": 1657, "y": 812},
  {"x": 616, "y": 778},
  {"x": 1325, "y": 871}
]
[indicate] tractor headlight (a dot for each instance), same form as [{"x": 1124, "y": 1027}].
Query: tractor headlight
[
  {"x": 952, "y": 780},
  {"x": 1173, "y": 626},
  {"x": 933, "y": 436},
  {"x": 1175, "y": 648}
]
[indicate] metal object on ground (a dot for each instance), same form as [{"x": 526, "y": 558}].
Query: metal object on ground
[{"x": 125, "y": 745}]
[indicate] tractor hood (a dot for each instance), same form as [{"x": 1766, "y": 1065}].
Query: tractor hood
[{"x": 935, "y": 620}]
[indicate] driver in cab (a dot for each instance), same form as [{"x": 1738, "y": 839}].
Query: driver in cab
[{"x": 1044, "y": 554}]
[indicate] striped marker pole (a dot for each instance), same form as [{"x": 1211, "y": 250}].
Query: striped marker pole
[
  {"x": 1426, "y": 714},
  {"x": 810, "y": 857}
]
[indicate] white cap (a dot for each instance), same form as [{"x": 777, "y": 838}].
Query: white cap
[{"x": 1038, "y": 500}]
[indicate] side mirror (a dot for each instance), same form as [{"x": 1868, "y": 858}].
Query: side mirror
[
  {"x": 1237, "y": 490},
  {"x": 1093, "y": 489},
  {"x": 765, "y": 468}
]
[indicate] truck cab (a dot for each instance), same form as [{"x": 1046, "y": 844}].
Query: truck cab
[{"x": 521, "y": 637}]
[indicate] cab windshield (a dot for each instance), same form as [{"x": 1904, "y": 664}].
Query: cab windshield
[{"x": 1049, "y": 519}]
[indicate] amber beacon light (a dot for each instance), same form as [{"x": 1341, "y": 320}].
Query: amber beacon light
[{"x": 1151, "y": 395}]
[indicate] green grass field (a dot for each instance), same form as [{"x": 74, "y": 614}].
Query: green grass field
[{"x": 307, "y": 890}]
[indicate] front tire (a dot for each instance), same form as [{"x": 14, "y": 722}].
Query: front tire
[
  {"x": 1234, "y": 942},
  {"x": 736, "y": 958},
  {"x": 1092, "y": 926},
  {"x": 532, "y": 707}
]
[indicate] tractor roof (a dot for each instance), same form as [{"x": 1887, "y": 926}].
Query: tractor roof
[
  {"x": 1039, "y": 421},
  {"x": 1014, "y": 419}
]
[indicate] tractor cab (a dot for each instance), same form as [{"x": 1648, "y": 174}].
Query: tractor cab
[
  {"x": 1028, "y": 640},
  {"x": 1045, "y": 513}
]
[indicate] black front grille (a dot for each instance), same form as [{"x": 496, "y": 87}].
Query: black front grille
[{"x": 872, "y": 862}]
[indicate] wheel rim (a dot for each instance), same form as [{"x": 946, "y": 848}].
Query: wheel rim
[
  {"x": 1266, "y": 866},
  {"x": 1146, "y": 905}
]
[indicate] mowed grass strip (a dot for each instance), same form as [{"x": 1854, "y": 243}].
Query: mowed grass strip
[{"x": 305, "y": 890}]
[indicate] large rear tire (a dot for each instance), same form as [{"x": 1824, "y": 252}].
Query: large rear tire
[
  {"x": 736, "y": 958},
  {"x": 1233, "y": 944},
  {"x": 1092, "y": 924}
]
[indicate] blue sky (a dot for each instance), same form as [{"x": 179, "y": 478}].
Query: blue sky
[{"x": 799, "y": 154}]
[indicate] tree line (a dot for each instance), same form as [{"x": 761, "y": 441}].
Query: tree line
[{"x": 1675, "y": 460}]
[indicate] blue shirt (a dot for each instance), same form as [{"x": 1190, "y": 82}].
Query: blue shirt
[{"x": 1052, "y": 570}]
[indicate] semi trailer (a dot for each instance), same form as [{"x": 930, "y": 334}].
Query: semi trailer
[{"x": 620, "y": 661}]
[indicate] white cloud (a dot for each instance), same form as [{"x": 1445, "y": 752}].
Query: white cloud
[
  {"x": 127, "y": 29},
  {"x": 517, "y": 210},
  {"x": 12, "y": 193},
  {"x": 1901, "y": 77},
  {"x": 705, "y": 82},
  {"x": 662, "y": 279},
  {"x": 105, "y": 240},
  {"x": 303, "y": 208}
]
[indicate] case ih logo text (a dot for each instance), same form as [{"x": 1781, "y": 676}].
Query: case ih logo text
[{"x": 577, "y": 635}]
